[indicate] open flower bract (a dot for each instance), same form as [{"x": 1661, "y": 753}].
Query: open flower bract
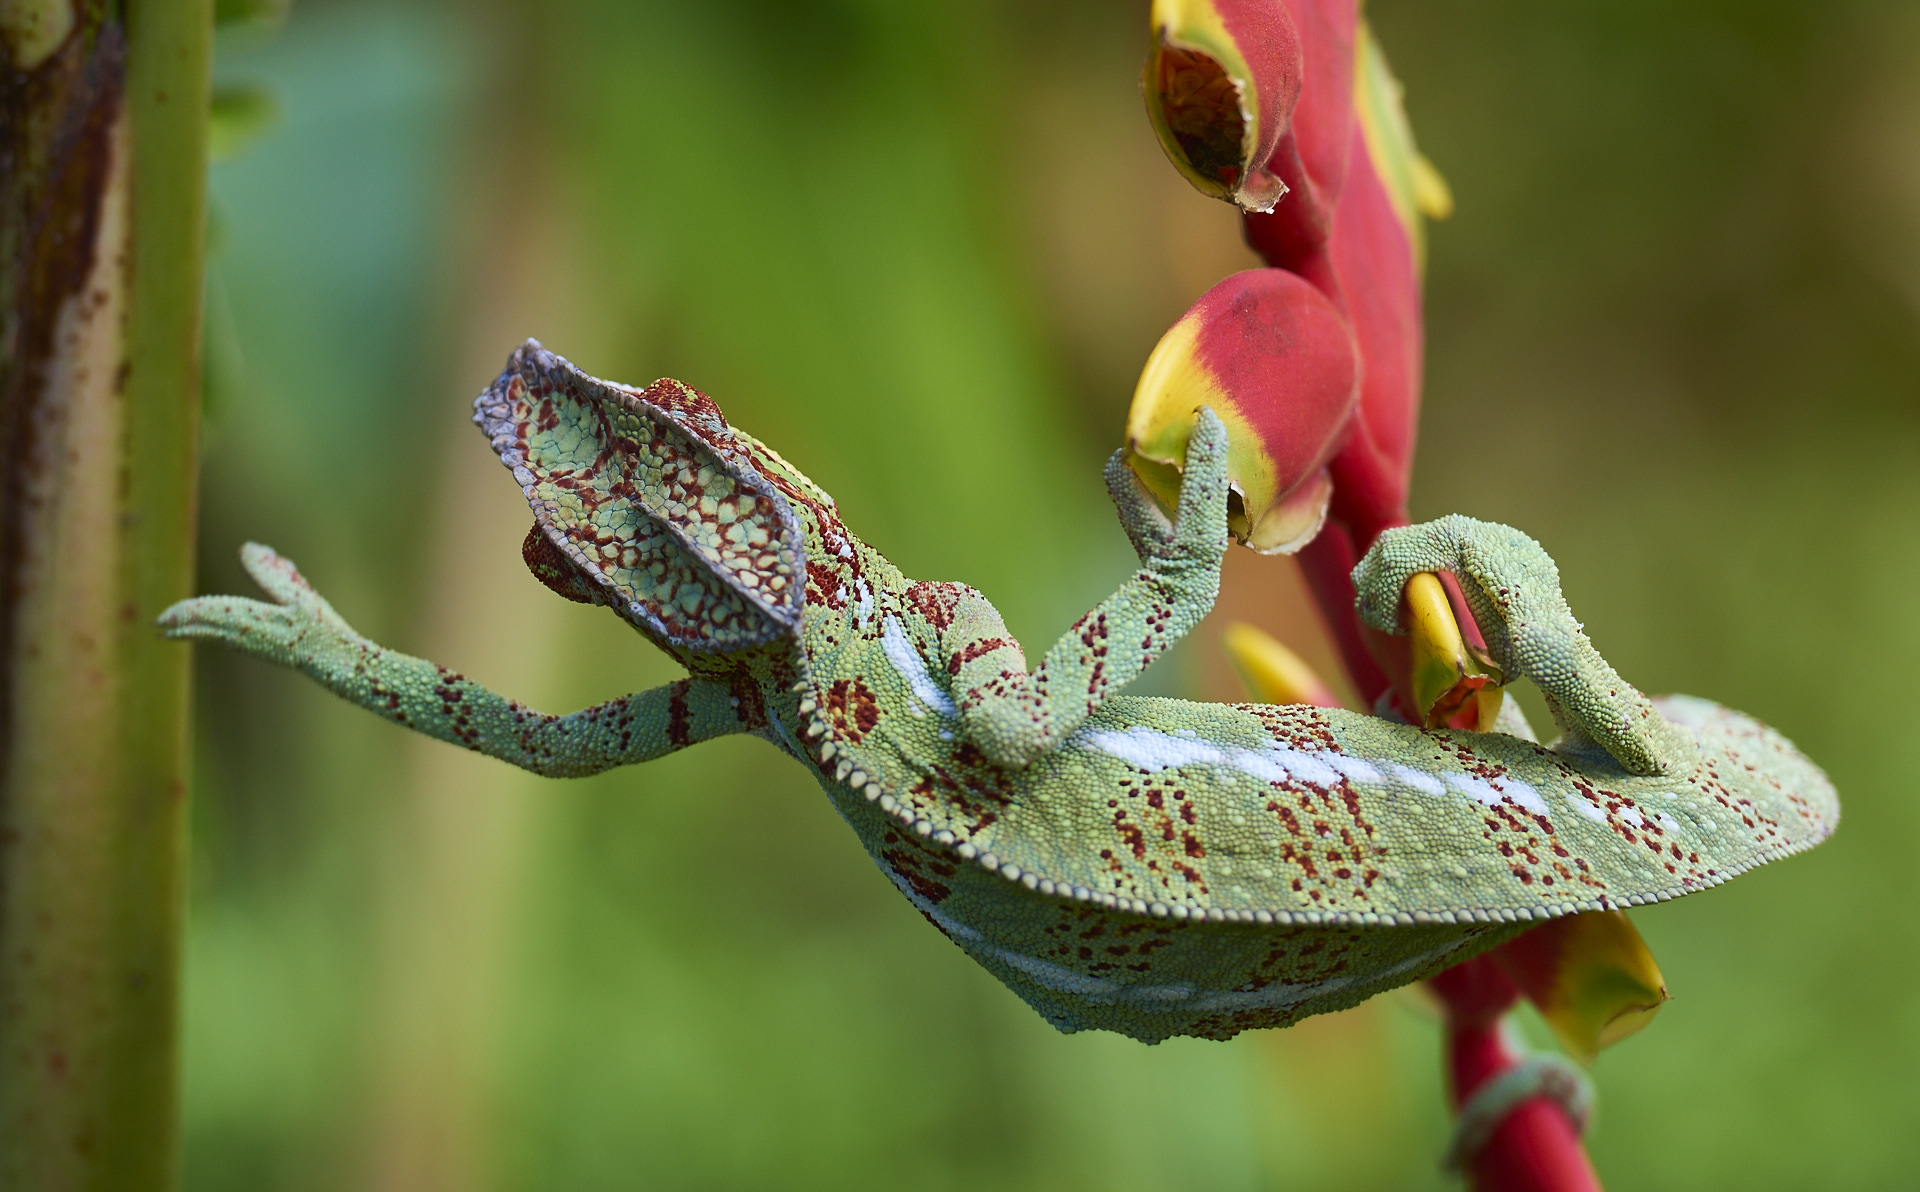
[
  {"x": 1221, "y": 83},
  {"x": 1272, "y": 356}
]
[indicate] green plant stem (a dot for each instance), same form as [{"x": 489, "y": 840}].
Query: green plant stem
[{"x": 98, "y": 431}]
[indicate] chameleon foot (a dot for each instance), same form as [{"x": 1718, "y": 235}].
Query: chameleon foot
[
  {"x": 296, "y": 622},
  {"x": 1513, "y": 588}
]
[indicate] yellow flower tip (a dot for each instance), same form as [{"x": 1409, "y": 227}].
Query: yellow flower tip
[
  {"x": 1590, "y": 976},
  {"x": 1274, "y": 359},
  {"x": 1447, "y": 678},
  {"x": 1431, "y": 194},
  {"x": 1272, "y": 672},
  {"x": 1220, "y": 85}
]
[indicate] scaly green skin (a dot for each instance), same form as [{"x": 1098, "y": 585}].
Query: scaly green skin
[{"x": 1148, "y": 866}]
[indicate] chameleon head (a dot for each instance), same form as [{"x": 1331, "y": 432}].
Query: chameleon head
[{"x": 646, "y": 501}]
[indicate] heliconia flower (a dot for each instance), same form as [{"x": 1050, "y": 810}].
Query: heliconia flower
[
  {"x": 1272, "y": 672},
  {"x": 1324, "y": 470},
  {"x": 1220, "y": 85},
  {"x": 1590, "y": 976},
  {"x": 1272, "y": 356}
]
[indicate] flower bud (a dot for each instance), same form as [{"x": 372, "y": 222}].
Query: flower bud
[
  {"x": 1590, "y": 976},
  {"x": 1272, "y": 356},
  {"x": 1221, "y": 83}
]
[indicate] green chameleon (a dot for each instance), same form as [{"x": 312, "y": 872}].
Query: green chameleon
[{"x": 1149, "y": 866}]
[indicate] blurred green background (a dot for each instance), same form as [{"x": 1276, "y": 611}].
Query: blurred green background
[{"x": 923, "y": 248}]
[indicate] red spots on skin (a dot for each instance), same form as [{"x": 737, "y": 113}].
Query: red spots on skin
[
  {"x": 1286, "y": 817},
  {"x": 979, "y": 649},
  {"x": 1192, "y": 845},
  {"x": 1155, "y": 800},
  {"x": 1135, "y": 839},
  {"x": 824, "y": 587},
  {"x": 1302, "y": 858},
  {"x": 936, "y": 603},
  {"x": 853, "y": 709},
  {"x": 679, "y": 721}
]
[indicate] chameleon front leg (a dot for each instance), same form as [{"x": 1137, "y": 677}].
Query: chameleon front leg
[
  {"x": 301, "y": 630},
  {"x": 1513, "y": 588},
  {"x": 1013, "y": 715}
]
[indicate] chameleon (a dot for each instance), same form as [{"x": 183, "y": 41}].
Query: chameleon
[{"x": 1151, "y": 866}]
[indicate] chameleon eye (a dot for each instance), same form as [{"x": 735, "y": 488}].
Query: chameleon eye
[
  {"x": 645, "y": 501},
  {"x": 551, "y": 566}
]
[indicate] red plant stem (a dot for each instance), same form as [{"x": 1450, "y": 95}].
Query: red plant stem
[{"x": 1536, "y": 1148}]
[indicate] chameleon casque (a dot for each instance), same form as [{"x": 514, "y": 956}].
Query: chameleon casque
[{"x": 1149, "y": 866}]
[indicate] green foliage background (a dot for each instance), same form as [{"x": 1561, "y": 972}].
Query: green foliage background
[{"x": 923, "y": 248}]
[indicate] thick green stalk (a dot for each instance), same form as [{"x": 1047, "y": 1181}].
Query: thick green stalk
[{"x": 103, "y": 126}]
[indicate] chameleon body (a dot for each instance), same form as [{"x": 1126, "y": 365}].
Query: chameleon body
[{"x": 1149, "y": 866}]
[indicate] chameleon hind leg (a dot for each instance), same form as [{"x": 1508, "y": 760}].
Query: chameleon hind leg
[
  {"x": 299, "y": 629},
  {"x": 1513, "y": 588},
  {"x": 1014, "y": 716}
]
